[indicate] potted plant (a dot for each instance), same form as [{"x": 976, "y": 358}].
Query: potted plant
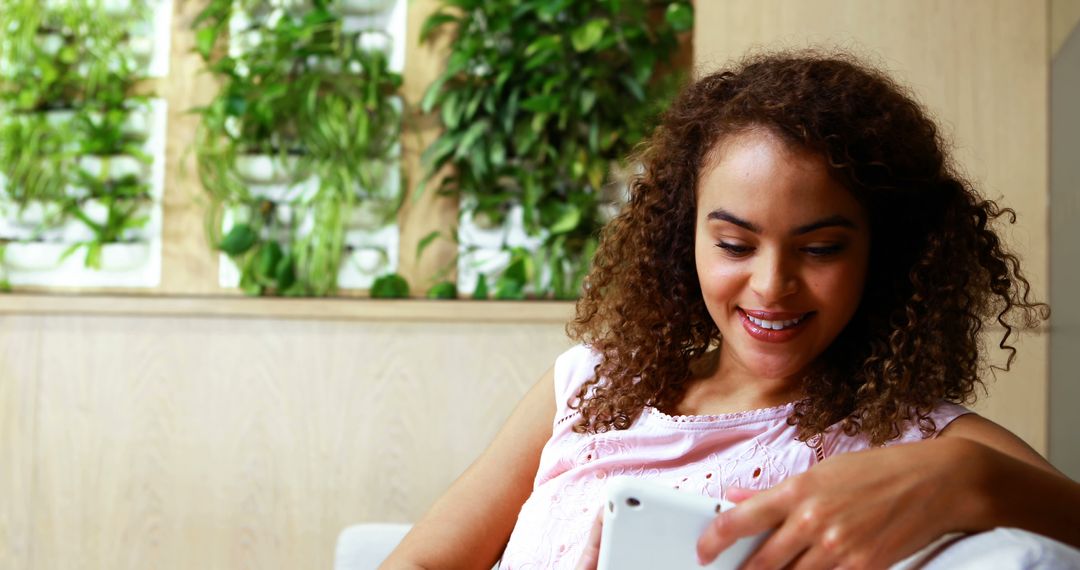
[
  {"x": 306, "y": 124},
  {"x": 72, "y": 139},
  {"x": 539, "y": 101}
]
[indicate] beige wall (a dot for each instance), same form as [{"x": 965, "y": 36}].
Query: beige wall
[
  {"x": 1064, "y": 444},
  {"x": 170, "y": 442}
]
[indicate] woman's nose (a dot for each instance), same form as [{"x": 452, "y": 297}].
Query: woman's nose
[{"x": 774, "y": 277}]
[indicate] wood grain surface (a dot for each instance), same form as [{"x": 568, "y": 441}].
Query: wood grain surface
[{"x": 162, "y": 442}]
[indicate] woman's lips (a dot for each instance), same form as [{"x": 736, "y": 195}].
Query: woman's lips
[{"x": 763, "y": 334}]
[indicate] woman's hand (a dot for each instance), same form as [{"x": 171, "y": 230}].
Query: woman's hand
[
  {"x": 590, "y": 557},
  {"x": 867, "y": 509}
]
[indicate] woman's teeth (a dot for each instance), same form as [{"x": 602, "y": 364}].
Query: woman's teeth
[{"x": 775, "y": 325}]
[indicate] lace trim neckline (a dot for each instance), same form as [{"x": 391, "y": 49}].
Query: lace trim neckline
[{"x": 760, "y": 414}]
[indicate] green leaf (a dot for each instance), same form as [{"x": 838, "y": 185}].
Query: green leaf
[
  {"x": 633, "y": 86},
  {"x": 239, "y": 239},
  {"x": 285, "y": 273},
  {"x": 205, "y": 39},
  {"x": 585, "y": 37},
  {"x": 481, "y": 291},
  {"x": 568, "y": 220},
  {"x": 433, "y": 23},
  {"x": 469, "y": 138},
  {"x": 541, "y": 104},
  {"x": 443, "y": 290},
  {"x": 507, "y": 290},
  {"x": 680, "y": 16},
  {"x": 425, "y": 242},
  {"x": 451, "y": 115},
  {"x": 437, "y": 152},
  {"x": 267, "y": 261},
  {"x": 518, "y": 270},
  {"x": 588, "y": 99},
  {"x": 392, "y": 286},
  {"x": 433, "y": 92},
  {"x": 543, "y": 45}
]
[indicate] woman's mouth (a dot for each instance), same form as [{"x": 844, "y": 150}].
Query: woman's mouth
[{"x": 772, "y": 326}]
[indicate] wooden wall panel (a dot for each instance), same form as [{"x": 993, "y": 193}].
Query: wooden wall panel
[
  {"x": 178, "y": 443},
  {"x": 981, "y": 67},
  {"x": 19, "y": 352}
]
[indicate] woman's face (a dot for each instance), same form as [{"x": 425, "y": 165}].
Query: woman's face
[{"x": 781, "y": 251}]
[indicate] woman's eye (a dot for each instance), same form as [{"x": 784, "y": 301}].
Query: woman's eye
[
  {"x": 824, "y": 251},
  {"x": 734, "y": 250}
]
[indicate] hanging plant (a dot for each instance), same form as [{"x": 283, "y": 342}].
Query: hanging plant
[
  {"x": 304, "y": 129},
  {"x": 70, "y": 141},
  {"x": 539, "y": 101}
]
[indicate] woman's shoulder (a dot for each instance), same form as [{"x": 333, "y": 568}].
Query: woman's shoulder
[
  {"x": 572, "y": 369},
  {"x": 915, "y": 429}
]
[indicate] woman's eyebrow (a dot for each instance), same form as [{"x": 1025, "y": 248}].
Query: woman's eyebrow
[
  {"x": 726, "y": 216},
  {"x": 829, "y": 222}
]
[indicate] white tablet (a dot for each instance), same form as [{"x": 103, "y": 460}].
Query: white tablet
[{"x": 648, "y": 526}]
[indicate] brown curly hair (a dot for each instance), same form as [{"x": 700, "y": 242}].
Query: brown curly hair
[{"x": 938, "y": 269}]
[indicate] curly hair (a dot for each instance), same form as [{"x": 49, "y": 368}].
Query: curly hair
[{"x": 938, "y": 269}]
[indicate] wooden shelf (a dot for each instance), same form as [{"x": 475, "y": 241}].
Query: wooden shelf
[{"x": 267, "y": 308}]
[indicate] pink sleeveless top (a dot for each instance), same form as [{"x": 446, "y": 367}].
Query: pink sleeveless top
[{"x": 699, "y": 454}]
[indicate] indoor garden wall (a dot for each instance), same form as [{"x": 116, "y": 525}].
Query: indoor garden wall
[
  {"x": 299, "y": 152},
  {"x": 81, "y": 146},
  {"x": 541, "y": 101}
]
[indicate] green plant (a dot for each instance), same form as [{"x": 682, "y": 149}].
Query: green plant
[
  {"x": 326, "y": 109},
  {"x": 392, "y": 286},
  {"x": 539, "y": 99},
  {"x": 66, "y": 91}
]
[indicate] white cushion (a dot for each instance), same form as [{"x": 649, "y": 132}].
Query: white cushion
[{"x": 365, "y": 546}]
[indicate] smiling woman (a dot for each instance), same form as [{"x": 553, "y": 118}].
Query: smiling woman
[
  {"x": 781, "y": 253},
  {"x": 786, "y": 315}
]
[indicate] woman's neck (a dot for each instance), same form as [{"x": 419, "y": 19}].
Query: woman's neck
[{"x": 720, "y": 386}]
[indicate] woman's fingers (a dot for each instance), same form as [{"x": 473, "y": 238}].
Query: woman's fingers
[
  {"x": 590, "y": 557},
  {"x": 764, "y": 511},
  {"x": 784, "y": 546},
  {"x": 738, "y": 494}
]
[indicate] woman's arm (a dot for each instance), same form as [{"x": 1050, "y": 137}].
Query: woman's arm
[
  {"x": 873, "y": 508},
  {"x": 468, "y": 527},
  {"x": 1022, "y": 489}
]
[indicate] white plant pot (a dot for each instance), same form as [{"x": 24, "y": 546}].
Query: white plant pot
[
  {"x": 290, "y": 5},
  {"x": 116, "y": 7},
  {"x": 59, "y": 117},
  {"x": 137, "y": 124},
  {"x": 35, "y": 215},
  {"x": 364, "y": 7},
  {"x": 95, "y": 210},
  {"x": 480, "y": 232},
  {"x": 374, "y": 41},
  {"x": 142, "y": 47},
  {"x": 266, "y": 168},
  {"x": 113, "y": 167},
  {"x": 285, "y": 193},
  {"x": 371, "y": 214},
  {"x": 369, "y": 261},
  {"x": 98, "y": 213},
  {"x": 124, "y": 256},
  {"x": 50, "y": 44},
  {"x": 33, "y": 256}
]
